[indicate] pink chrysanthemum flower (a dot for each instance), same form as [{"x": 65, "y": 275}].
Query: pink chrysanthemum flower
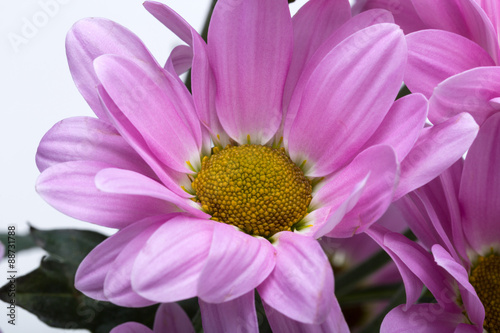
[
  {"x": 457, "y": 217},
  {"x": 453, "y": 54},
  {"x": 291, "y": 132}
]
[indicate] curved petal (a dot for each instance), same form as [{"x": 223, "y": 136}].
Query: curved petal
[
  {"x": 470, "y": 91},
  {"x": 85, "y": 138},
  {"x": 145, "y": 96},
  {"x": 329, "y": 94},
  {"x": 173, "y": 21},
  {"x": 402, "y": 125},
  {"x": 91, "y": 273},
  {"x": 250, "y": 47},
  {"x": 70, "y": 188},
  {"x": 301, "y": 284},
  {"x": 90, "y": 38},
  {"x": 169, "y": 266},
  {"x": 170, "y": 317},
  {"x": 433, "y": 57},
  {"x": 463, "y": 17},
  {"x": 131, "y": 327},
  {"x": 480, "y": 188},
  {"x": 335, "y": 322},
  {"x": 237, "y": 315},
  {"x": 120, "y": 181},
  {"x": 180, "y": 60},
  {"x": 236, "y": 264},
  {"x": 437, "y": 148},
  {"x": 492, "y": 9},
  {"x": 421, "y": 318}
]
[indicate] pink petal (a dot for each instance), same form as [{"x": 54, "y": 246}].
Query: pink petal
[
  {"x": 237, "y": 315},
  {"x": 480, "y": 188},
  {"x": 69, "y": 187},
  {"x": 120, "y": 181},
  {"x": 131, "y": 327},
  {"x": 180, "y": 60},
  {"x": 92, "y": 271},
  {"x": 173, "y": 21},
  {"x": 250, "y": 47},
  {"x": 301, "y": 284},
  {"x": 463, "y": 17},
  {"x": 236, "y": 264},
  {"x": 85, "y": 138},
  {"x": 90, "y": 38},
  {"x": 151, "y": 108},
  {"x": 492, "y": 9},
  {"x": 433, "y": 57},
  {"x": 421, "y": 318},
  {"x": 170, "y": 317},
  {"x": 378, "y": 60},
  {"x": 402, "y": 125},
  {"x": 169, "y": 266},
  {"x": 470, "y": 91},
  {"x": 437, "y": 148},
  {"x": 335, "y": 322}
]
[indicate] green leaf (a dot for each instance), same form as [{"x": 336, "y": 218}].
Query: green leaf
[{"x": 22, "y": 242}]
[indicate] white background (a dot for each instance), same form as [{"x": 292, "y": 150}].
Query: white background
[{"x": 36, "y": 91}]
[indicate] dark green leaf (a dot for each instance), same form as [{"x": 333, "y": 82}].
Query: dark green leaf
[{"x": 22, "y": 242}]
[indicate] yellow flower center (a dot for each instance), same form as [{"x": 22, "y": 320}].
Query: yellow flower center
[
  {"x": 255, "y": 188},
  {"x": 485, "y": 277}
]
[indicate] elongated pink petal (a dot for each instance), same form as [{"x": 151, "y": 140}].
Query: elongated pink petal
[
  {"x": 463, "y": 17},
  {"x": 70, "y": 188},
  {"x": 120, "y": 181},
  {"x": 237, "y": 315},
  {"x": 85, "y": 138},
  {"x": 402, "y": 125},
  {"x": 90, "y": 38},
  {"x": 250, "y": 48},
  {"x": 479, "y": 190},
  {"x": 131, "y": 327},
  {"x": 117, "y": 284},
  {"x": 342, "y": 122},
  {"x": 470, "y": 91},
  {"x": 236, "y": 264},
  {"x": 421, "y": 318},
  {"x": 173, "y": 21},
  {"x": 145, "y": 98},
  {"x": 472, "y": 303},
  {"x": 170, "y": 317},
  {"x": 180, "y": 60},
  {"x": 169, "y": 266},
  {"x": 335, "y": 322},
  {"x": 312, "y": 25},
  {"x": 492, "y": 9},
  {"x": 301, "y": 284},
  {"x": 437, "y": 148},
  {"x": 433, "y": 57},
  {"x": 93, "y": 269}
]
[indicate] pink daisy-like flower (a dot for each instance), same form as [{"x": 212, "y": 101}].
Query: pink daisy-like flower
[
  {"x": 307, "y": 141},
  {"x": 457, "y": 217}
]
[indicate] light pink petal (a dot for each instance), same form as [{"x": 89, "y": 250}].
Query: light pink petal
[
  {"x": 492, "y": 9},
  {"x": 480, "y": 188},
  {"x": 472, "y": 303},
  {"x": 312, "y": 25},
  {"x": 169, "y": 266},
  {"x": 170, "y": 317},
  {"x": 145, "y": 96},
  {"x": 70, "y": 188},
  {"x": 236, "y": 264},
  {"x": 120, "y": 181},
  {"x": 470, "y": 91},
  {"x": 421, "y": 318},
  {"x": 335, "y": 322},
  {"x": 342, "y": 122},
  {"x": 172, "y": 179},
  {"x": 301, "y": 284},
  {"x": 173, "y": 21},
  {"x": 117, "y": 284},
  {"x": 250, "y": 47},
  {"x": 437, "y": 148},
  {"x": 85, "y": 138},
  {"x": 131, "y": 327},
  {"x": 237, "y": 315},
  {"x": 463, "y": 17},
  {"x": 433, "y": 57},
  {"x": 92, "y": 271},
  {"x": 357, "y": 23},
  {"x": 180, "y": 60},
  {"x": 90, "y": 38}
]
